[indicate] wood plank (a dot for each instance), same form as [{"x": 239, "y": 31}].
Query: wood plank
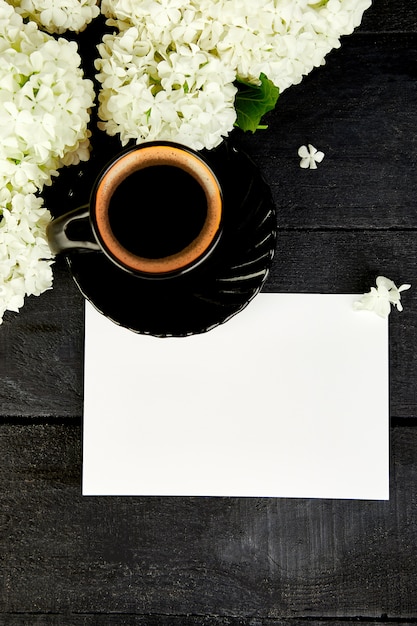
[
  {"x": 384, "y": 15},
  {"x": 368, "y": 176},
  {"x": 68, "y": 560},
  {"x": 42, "y": 367},
  {"x": 41, "y": 353},
  {"x": 181, "y": 620},
  {"x": 241, "y": 558}
]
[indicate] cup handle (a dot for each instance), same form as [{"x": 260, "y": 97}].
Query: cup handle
[{"x": 57, "y": 235}]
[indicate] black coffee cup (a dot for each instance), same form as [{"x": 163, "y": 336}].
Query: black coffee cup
[{"x": 155, "y": 211}]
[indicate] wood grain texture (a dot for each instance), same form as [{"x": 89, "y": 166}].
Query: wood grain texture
[
  {"x": 183, "y": 620},
  {"x": 41, "y": 354},
  {"x": 42, "y": 372},
  {"x": 222, "y": 557},
  {"x": 391, "y": 16},
  {"x": 66, "y": 560},
  {"x": 360, "y": 110}
]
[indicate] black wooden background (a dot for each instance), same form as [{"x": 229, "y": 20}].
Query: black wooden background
[{"x": 68, "y": 560}]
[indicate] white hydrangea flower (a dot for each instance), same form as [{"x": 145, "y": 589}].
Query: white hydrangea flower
[
  {"x": 44, "y": 103},
  {"x": 283, "y": 39},
  {"x": 58, "y": 16},
  {"x": 44, "y": 112},
  {"x": 25, "y": 257},
  {"x": 181, "y": 94},
  {"x": 155, "y": 18},
  {"x": 379, "y": 299}
]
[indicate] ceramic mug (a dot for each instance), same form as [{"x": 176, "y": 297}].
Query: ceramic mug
[{"x": 155, "y": 211}]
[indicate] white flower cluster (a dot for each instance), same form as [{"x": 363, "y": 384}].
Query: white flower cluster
[
  {"x": 380, "y": 298},
  {"x": 59, "y": 15},
  {"x": 183, "y": 94},
  {"x": 44, "y": 111},
  {"x": 25, "y": 258},
  {"x": 173, "y": 62}
]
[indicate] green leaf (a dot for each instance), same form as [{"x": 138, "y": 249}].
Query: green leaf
[{"x": 253, "y": 101}]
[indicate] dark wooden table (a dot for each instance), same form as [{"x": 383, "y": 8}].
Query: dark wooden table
[{"x": 68, "y": 560}]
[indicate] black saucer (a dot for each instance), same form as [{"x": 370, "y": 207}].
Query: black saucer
[{"x": 212, "y": 293}]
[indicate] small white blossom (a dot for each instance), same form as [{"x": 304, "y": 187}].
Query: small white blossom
[
  {"x": 58, "y": 16},
  {"x": 379, "y": 299},
  {"x": 310, "y": 156}
]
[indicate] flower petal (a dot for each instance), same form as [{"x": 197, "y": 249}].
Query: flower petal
[
  {"x": 303, "y": 152},
  {"x": 382, "y": 281},
  {"x": 404, "y": 287}
]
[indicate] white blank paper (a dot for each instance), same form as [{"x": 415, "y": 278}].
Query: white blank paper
[{"x": 287, "y": 399}]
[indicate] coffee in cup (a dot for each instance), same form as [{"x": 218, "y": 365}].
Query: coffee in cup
[{"x": 155, "y": 210}]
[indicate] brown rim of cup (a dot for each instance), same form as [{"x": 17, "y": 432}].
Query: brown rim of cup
[{"x": 140, "y": 158}]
